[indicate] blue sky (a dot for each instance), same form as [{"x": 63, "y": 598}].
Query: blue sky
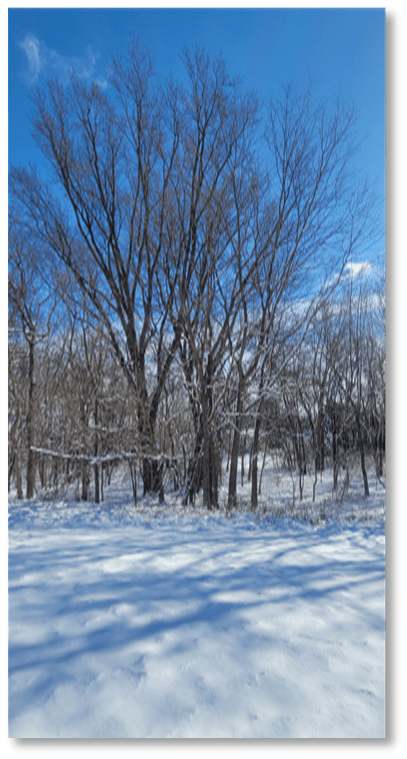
[{"x": 341, "y": 52}]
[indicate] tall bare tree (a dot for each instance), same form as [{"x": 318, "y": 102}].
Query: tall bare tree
[
  {"x": 112, "y": 160},
  {"x": 216, "y": 120}
]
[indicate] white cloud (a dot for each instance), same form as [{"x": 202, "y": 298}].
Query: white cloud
[
  {"x": 50, "y": 63},
  {"x": 32, "y": 49},
  {"x": 355, "y": 269}
]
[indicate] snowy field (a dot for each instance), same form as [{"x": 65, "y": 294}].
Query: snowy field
[{"x": 167, "y": 622}]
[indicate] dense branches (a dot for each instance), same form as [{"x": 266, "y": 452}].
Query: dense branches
[{"x": 195, "y": 255}]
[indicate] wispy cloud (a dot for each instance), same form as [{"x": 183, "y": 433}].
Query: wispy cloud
[
  {"x": 32, "y": 49},
  {"x": 46, "y": 62}
]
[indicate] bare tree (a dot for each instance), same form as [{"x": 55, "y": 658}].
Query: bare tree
[
  {"x": 376, "y": 369},
  {"x": 195, "y": 244},
  {"x": 319, "y": 357},
  {"x": 30, "y": 311},
  {"x": 112, "y": 165},
  {"x": 216, "y": 121},
  {"x": 362, "y": 374},
  {"x": 16, "y": 406},
  {"x": 321, "y": 217}
]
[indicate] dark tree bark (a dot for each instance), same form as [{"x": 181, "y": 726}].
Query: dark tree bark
[
  {"x": 30, "y": 413},
  {"x": 96, "y": 452},
  {"x": 232, "y": 492}
]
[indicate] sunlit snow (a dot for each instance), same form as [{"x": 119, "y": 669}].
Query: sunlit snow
[{"x": 167, "y": 622}]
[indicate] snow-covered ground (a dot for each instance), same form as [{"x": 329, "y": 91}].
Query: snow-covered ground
[{"x": 166, "y": 622}]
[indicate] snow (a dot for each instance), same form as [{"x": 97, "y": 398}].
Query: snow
[{"x": 167, "y": 622}]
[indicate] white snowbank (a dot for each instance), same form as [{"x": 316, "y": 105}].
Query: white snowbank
[{"x": 151, "y": 624}]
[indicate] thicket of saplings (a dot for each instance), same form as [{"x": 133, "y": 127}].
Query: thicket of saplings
[
  {"x": 325, "y": 413},
  {"x": 181, "y": 289}
]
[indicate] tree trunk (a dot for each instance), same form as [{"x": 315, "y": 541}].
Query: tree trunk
[
  {"x": 336, "y": 473},
  {"x": 362, "y": 453},
  {"x": 194, "y": 474},
  {"x": 30, "y": 452},
  {"x": 84, "y": 475},
  {"x": 95, "y": 451},
  {"x": 214, "y": 474},
  {"x": 262, "y": 466},
  {"x": 320, "y": 455},
  {"x": 152, "y": 474},
  {"x": 10, "y": 471},
  {"x": 232, "y": 492},
  {"x": 152, "y": 468},
  {"x": 314, "y": 484},
  {"x": 42, "y": 468},
  {"x": 255, "y": 452},
  {"x": 335, "y": 462},
  {"x": 133, "y": 475},
  {"x": 206, "y": 494},
  {"x": 209, "y": 467},
  {"x": 209, "y": 463},
  {"x": 17, "y": 469},
  {"x": 97, "y": 485}
]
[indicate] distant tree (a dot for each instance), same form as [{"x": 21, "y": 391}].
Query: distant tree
[
  {"x": 361, "y": 372},
  {"x": 30, "y": 311},
  {"x": 321, "y": 218},
  {"x": 16, "y": 406},
  {"x": 376, "y": 370}
]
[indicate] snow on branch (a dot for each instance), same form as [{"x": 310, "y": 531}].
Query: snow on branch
[
  {"x": 97, "y": 460},
  {"x": 93, "y": 460}
]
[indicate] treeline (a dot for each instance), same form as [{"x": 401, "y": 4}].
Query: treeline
[
  {"x": 316, "y": 405},
  {"x": 174, "y": 289}
]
